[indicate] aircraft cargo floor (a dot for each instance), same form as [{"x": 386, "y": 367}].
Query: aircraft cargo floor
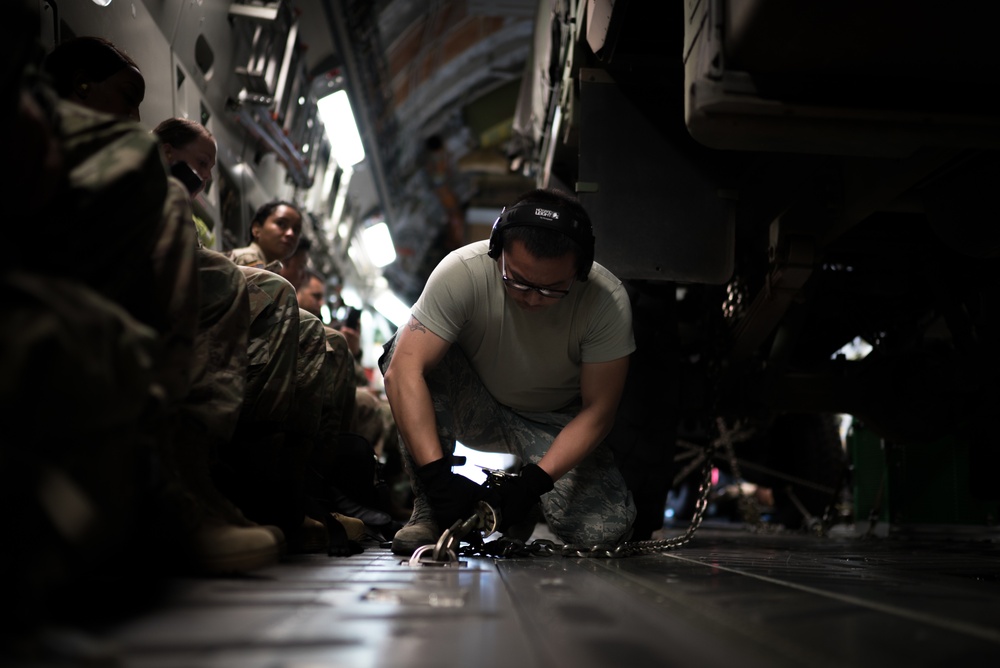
[{"x": 730, "y": 597}]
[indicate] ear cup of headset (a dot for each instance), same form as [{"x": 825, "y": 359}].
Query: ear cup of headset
[
  {"x": 586, "y": 258},
  {"x": 496, "y": 241}
]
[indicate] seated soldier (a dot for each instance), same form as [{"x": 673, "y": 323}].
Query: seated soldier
[
  {"x": 262, "y": 466},
  {"x": 93, "y": 71},
  {"x": 95, "y": 349}
]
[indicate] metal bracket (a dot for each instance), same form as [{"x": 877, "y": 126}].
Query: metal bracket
[{"x": 445, "y": 551}]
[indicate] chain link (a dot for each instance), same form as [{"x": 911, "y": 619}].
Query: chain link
[
  {"x": 747, "y": 505},
  {"x": 513, "y": 547}
]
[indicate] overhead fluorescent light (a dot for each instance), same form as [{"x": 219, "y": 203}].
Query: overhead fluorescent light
[
  {"x": 394, "y": 310},
  {"x": 378, "y": 244},
  {"x": 341, "y": 128}
]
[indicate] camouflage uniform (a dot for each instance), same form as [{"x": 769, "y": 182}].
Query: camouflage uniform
[
  {"x": 194, "y": 298},
  {"x": 149, "y": 261},
  {"x": 289, "y": 388},
  {"x": 123, "y": 228},
  {"x": 213, "y": 407},
  {"x": 368, "y": 421},
  {"x": 590, "y": 505},
  {"x": 252, "y": 256},
  {"x": 96, "y": 343},
  {"x": 273, "y": 349},
  {"x": 342, "y": 361},
  {"x": 339, "y": 408},
  {"x": 318, "y": 382},
  {"x": 79, "y": 372},
  {"x": 321, "y": 402},
  {"x": 145, "y": 258},
  {"x": 287, "y": 345}
]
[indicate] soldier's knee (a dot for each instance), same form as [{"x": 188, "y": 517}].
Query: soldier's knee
[{"x": 590, "y": 519}]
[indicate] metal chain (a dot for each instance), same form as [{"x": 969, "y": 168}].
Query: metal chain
[
  {"x": 748, "y": 507},
  {"x": 513, "y": 547}
]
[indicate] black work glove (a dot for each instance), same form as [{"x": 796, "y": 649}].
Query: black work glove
[
  {"x": 452, "y": 496},
  {"x": 518, "y": 495}
]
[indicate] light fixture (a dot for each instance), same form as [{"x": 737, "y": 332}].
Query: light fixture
[
  {"x": 350, "y": 297},
  {"x": 394, "y": 310},
  {"x": 341, "y": 128},
  {"x": 378, "y": 244},
  {"x": 856, "y": 350}
]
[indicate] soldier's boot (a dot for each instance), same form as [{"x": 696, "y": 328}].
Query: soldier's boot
[
  {"x": 209, "y": 532},
  {"x": 208, "y": 542},
  {"x": 219, "y": 548},
  {"x": 351, "y": 481},
  {"x": 311, "y": 537},
  {"x": 420, "y": 530}
]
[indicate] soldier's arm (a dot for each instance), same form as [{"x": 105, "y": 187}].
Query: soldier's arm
[
  {"x": 418, "y": 350},
  {"x": 601, "y": 387}
]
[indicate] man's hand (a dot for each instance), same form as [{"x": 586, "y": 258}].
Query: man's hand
[
  {"x": 452, "y": 496},
  {"x": 518, "y": 495}
]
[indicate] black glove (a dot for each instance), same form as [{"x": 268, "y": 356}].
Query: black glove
[
  {"x": 518, "y": 495},
  {"x": 452, "y": 496}
]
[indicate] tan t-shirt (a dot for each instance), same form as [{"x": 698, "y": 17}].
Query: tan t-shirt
[{"x": 529, "y": 361}]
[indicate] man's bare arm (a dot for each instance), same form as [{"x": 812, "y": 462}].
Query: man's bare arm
[
  {"x": 601, "y": 387},
  {"x": 418, "y": 350}
]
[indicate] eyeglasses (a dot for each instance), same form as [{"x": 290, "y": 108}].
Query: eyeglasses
[{"x": 551, "y": 293}]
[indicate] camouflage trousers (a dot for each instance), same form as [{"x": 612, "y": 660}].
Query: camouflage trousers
[
  {"x": 372, "y": 419},
  {"x": 286, "y": 351},
  {"x": 213, "y": 406},
  {"x": 314, "y": 376},
  {"x": 204, "y": 421},
  {"x": 272, "y": 349},
  {"x": 342, "y": 407},
  {"x": 289, "y": 390},
  {"x": 590, "y": 505}
]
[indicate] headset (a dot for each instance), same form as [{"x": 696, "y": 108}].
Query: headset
[{"x": 550, "y": 216}]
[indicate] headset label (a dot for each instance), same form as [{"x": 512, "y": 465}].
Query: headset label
[{"x": 545, "y": 213}]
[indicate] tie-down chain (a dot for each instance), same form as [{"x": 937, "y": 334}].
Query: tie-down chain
[{"x": 483, "y": 523}]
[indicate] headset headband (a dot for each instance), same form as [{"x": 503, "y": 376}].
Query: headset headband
[{"x": 549, "y": 216}]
